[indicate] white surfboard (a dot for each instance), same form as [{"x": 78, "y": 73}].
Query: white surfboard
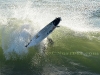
[{"x": 44, "y": 32}]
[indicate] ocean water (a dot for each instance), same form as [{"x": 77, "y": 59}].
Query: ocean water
[{"x": 79, "y": 31}]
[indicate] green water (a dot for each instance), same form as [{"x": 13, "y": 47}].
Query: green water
[{"x": 69, "y": 47}]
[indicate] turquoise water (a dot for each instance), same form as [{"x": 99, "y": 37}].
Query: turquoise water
[{"x": 72, "y": 49}]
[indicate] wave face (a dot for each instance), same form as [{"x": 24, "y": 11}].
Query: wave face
[{"x": 20, "y": 20}]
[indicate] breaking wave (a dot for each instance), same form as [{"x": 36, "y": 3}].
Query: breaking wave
[{"x": 20, "y": 21}]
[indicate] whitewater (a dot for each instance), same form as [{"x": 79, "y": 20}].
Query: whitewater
[
  {"x": 79, "y": 32},
  {"x": 21, "y": 20}
]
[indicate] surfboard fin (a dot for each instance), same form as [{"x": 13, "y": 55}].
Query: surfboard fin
[{"x": 57, "y": 26}]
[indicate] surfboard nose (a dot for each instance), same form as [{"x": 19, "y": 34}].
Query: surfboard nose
[{"x": 56, "y": 21}]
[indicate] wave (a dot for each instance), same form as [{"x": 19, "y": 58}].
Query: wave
[{"x": 20, "y": 21}]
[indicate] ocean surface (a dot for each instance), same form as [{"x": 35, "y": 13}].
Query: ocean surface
[{"x": 71, "y": 49}]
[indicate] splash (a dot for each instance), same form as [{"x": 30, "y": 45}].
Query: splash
[
  {"x": 14, "y": 38},
  {"x": 17, "y": 29},
  {"x": 20, "y": 21}
]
